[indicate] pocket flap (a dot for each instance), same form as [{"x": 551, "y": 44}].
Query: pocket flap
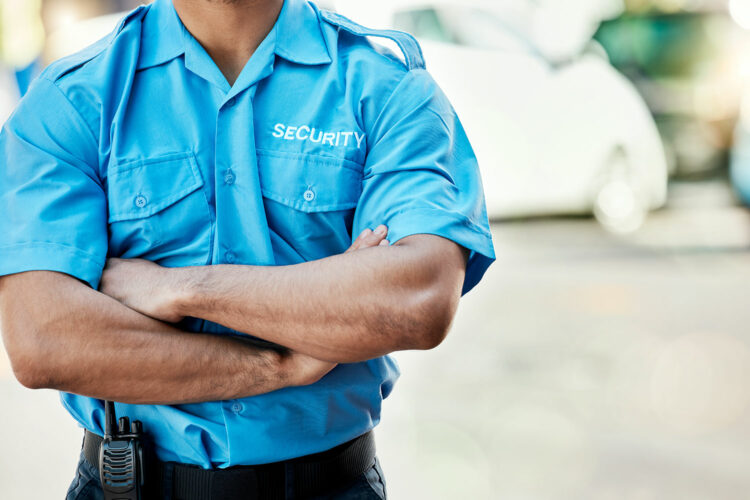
[
  {"x": 142, "y": 188},
  {"x": 309, "y": 183}
]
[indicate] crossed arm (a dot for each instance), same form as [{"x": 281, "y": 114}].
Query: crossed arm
[
  {"x": 61, "y": 334},
  {"x": 343, "y": 309}
]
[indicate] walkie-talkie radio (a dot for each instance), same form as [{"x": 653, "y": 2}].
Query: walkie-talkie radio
[{"x": 121, "y": 457}]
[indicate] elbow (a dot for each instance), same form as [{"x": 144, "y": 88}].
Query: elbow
[
  {"x": 432, "y": 336},
  {"x": 30, "y": 328},
  {"x": 29, "y": 377},
  {"x": 435, "y": 309},
  {"x": 25, "y": 358}
]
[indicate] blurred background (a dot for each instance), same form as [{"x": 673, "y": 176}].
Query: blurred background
[{"x": 606, "y": 355}]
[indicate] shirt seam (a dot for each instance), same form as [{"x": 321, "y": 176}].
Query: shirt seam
[
  {"x": 37, "y": 244},
  {"x": 312, "y": 158},
  {"x": 442, "y": 120},
  {"x": 456, "y": 216},
  {"x": 75, "y": 110},
  {"x": 393, "y": 93},
  {"x": 132, "y": 164},
  {"x": 389, "y": 99}
]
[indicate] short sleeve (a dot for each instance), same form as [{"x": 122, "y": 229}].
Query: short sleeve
[
  {"x": 52, "y": 201},
  {"x": 421, "y": 175}
]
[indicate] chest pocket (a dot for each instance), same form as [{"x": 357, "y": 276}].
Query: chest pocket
[
  {"x": 159, "y": 211},
  {"x": 310, "y": 202}
]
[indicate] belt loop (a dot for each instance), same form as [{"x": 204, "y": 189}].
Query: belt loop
[
  {"x": 289, "y": 480},
  {"x": 167, "y": 480}
]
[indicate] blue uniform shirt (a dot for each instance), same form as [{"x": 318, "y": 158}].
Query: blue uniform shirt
[{"x": 138, "y": 147}]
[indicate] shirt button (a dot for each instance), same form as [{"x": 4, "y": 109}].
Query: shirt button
[
  {"x": 309, "y": 195},
  {"x": 237, "y": 407},
  {"x": 229, "y": 257},
  {"x": 229, "y": 177},
  {"x": 231, "y": 102},
  {"x": 140, "y": 201}
]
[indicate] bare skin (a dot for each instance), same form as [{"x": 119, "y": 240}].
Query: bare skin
[
  {"x": 229, "y": 30},
  {"x": 61, "y": 334},
  {"x": 343, "y": 309}
]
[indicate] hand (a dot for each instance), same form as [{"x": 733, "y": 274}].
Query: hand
[
  {"x": 143, "y": 286},
  {"x": 368, "y": 238},
  {"x": 300, "y": 369}
]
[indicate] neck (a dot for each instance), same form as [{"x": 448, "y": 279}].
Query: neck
[{"x": 229, "y": 30}]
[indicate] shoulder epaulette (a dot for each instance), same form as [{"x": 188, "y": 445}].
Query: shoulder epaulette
[{"x": 408, "y": 44}]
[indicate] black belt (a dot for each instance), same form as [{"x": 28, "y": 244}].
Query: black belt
[{"x": 312, "y": 474}]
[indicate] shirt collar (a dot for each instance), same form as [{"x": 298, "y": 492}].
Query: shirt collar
[
  {"x": 299, "y": 37},
  {"x": 161, "y": 35}
]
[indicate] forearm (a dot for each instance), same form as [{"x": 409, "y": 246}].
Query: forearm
[
  {"x": 62, "y": 335},
  {"x": 345, "y": 308}
]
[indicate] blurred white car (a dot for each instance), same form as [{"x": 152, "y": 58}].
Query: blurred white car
[
  {"x": 9, "y": 92},
  {"x": 556, "y": 129}
]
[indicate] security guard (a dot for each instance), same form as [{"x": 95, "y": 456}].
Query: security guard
[{"x": 224, "y": 216}]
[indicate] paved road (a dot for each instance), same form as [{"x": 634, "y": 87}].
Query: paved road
[
  {"x": 588, "y": 366},
  {"x": 585, "y": 366}
]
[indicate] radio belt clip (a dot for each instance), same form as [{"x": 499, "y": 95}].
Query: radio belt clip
[{"x": 121, "y": 457}]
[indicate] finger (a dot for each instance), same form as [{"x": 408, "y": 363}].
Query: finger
[
  {"x": 362, "y": 235},
  {"x": 375, "y": 237},
  {"x": 357, "y": 243},
  {"x": 384, "y": 243}
]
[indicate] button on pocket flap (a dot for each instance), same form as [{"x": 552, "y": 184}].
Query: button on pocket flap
[
  {"x": 142, "y": 188},
  {"x": 310, "y": 183}
]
